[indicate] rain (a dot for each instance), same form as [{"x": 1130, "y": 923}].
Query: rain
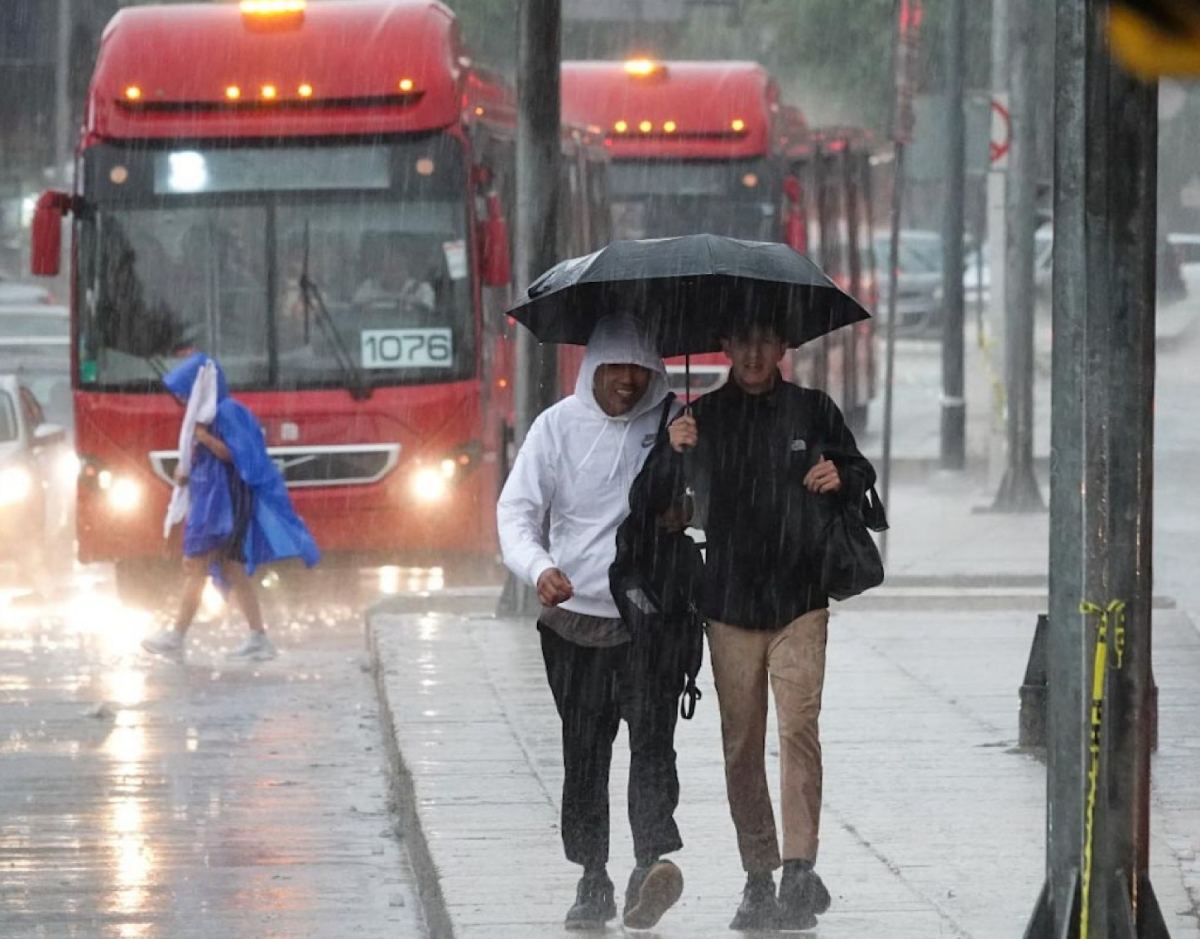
[{"x": 518, "y": 468}]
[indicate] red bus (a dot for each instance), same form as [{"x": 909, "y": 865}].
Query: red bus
[
  {"x": 316, "y": 195},
  {"x": 709, "y": 146}
]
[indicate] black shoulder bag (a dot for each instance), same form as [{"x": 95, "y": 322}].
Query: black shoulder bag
[{"x": 850, "y": 560}]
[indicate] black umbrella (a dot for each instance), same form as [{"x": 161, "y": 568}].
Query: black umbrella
[{"x": 689, "y": 291}]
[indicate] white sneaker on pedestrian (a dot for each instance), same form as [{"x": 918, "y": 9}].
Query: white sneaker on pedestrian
[
  {"x": 256, "y": 648},
  {"x": 168, "y": 642}
]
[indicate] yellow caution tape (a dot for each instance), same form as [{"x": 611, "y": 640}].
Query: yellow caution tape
[{"x": 1116, "y": 611}]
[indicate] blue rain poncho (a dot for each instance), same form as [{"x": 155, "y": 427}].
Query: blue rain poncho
[{"x": 242, "y": 511}]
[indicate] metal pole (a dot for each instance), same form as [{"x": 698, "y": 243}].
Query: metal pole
[
  {"x": 539, "y": 25},
  {"x": 954, "y": 444},
  {"x": 1018, "y": 490},
  {"x": 538, "y": 175},
  {"x": 1101, "y": 486},
  {"x": 1124, "y": 557},
  {"x": 62, "y": 93},
  {"x": 885, "y": 480},
  {"x": 906, "y": 21},
  {"x": 997, "y": 223}
]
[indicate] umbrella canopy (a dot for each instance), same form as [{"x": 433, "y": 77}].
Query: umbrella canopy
[{"x": 689, "y": 291}]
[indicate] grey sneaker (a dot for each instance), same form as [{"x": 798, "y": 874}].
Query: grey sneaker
[
  {"x": 653, "y": 890},
  {"x": 168, "y": 642},
  {"x": 256, "y": 648}
]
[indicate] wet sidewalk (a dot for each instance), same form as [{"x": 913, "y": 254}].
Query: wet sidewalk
[
  {"x": 143, "y": 798},
  {"x": 933, "y": 821}
]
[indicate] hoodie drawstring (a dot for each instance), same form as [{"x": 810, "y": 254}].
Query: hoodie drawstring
[{"x": 619, "y": 451}]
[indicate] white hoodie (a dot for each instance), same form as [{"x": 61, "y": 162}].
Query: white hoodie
[{"x": 578, "y": 464}]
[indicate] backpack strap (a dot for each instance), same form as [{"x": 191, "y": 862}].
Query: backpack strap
[{"x": 666, "y": 413}]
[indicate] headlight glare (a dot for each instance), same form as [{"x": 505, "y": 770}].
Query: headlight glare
[
  {"x": 16, "y": 483},
  {"x": 124, "y": 494},
  {"x": 429, "y": 484}
]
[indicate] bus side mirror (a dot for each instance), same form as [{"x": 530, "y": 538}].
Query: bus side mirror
[
  {"x": 795, "y": 224},
  {"x": 497, "y": 270},
  {"x": 48, "y": 214}
]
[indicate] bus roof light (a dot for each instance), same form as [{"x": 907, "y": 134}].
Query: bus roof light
[
  {"x": 644, "y": 68},
  {"x": 738, "y": 125},
  {"x": 621, "y": 126},
  {"x": 269, "y": 92},
  {"x": 133, "y": 93},
  {"x": 272, "y": 7},
  {"x": 406, "y": 85},
  {"x": 669, "y": 127},
  {"x": 645, "y": 127},
  {"x": 305, "y": 90},
  {"x": 233, "y": 92}
]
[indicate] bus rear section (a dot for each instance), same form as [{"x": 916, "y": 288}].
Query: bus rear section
[
  {"x": 312, "y": 198},
  {"x": 710, "y": 147}
]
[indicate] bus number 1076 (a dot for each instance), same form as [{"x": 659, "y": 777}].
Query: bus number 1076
[{"x": 407, "y": 348}]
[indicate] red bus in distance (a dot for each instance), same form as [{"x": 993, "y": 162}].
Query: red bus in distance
[{"x": 710, "y": 147}]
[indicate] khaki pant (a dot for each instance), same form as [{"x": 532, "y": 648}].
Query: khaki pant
[{"x": 793, "y": 658}]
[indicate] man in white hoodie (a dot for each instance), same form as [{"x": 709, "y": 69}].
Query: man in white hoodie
[{"x": 576, "y": 466}]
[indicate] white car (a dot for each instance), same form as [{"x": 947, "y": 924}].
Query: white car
[{"x": 37, "y": 484}]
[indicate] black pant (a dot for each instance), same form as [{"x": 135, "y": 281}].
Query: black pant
[{"x": 593, "y": 690}]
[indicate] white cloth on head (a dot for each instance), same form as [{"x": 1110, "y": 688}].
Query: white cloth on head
[
  {"x": 201, "y": 409},
  {"x": 577, "y": 464}
]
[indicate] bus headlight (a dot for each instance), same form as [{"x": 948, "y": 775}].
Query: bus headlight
[
  {"x": 430, "y": 484},
  {"x": 16, "y": 483},
  {"x": 124, "y": 495}
]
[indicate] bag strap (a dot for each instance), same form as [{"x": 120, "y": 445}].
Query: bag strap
[
  {"x": 666, "y": 413},
  {"x": 873, "y": 512},
  {"x": 691, "y": 694}
]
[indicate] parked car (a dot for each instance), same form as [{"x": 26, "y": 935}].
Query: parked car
[
  {"x": 35, "y": 346},
  {"x": 37, "y": 483},
  {"x": 918, "y": 277}
]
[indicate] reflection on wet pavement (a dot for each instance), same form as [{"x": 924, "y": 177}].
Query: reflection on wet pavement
[{"x": 141, "y": 797}]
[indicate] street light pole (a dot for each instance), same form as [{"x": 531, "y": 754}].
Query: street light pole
[
  {"x": 954, "y": 443},
  {"x": 535, "y": 382},
  {"x": 538, "y": 174},
  {"x": 1018, "y": 490},
  {"x": 62, "y": 92}
]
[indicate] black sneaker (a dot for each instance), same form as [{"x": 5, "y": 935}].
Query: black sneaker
[
  {"x": 594, "y": 904},
  {"x": 653, "y": 889},
  {"x": 758, "y": 909},
  {"x": 802, "y": 897}
]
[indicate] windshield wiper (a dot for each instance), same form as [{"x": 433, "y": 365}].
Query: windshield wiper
[{"x": 359, "y": 387}]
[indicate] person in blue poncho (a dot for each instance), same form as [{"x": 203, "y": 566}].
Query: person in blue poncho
[{"x": 233, "y": 502}]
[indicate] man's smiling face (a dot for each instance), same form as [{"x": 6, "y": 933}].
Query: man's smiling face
[{"x": 618, "y": 388}]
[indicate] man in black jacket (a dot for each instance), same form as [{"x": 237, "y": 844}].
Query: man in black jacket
[{"x": 762, "y": 452}]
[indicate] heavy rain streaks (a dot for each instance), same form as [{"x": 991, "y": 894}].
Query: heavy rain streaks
[
  {"x": 146, "y": 797},
  {"x": 387, "y": 226}
]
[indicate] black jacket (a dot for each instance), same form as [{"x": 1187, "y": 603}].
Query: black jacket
[
  {"x": 759, "y": 520},
  {"x": 655, "y": 580}
]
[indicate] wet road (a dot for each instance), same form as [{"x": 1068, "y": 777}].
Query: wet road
[{"x": 145, "y": 798}]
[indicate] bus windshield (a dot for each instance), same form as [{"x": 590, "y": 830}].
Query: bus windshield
[
  {"x": 662, "y": 198},
  {"x": 297, "y": 267}
]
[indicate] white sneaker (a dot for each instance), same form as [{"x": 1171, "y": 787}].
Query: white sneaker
[
  {"x": 168, "y": 642},
  {"x": 256, "y": 648}
]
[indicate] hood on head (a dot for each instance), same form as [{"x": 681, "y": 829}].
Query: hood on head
[
  {"x": 619, "y": 339},
  {"x": 182, "y": 377}
]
